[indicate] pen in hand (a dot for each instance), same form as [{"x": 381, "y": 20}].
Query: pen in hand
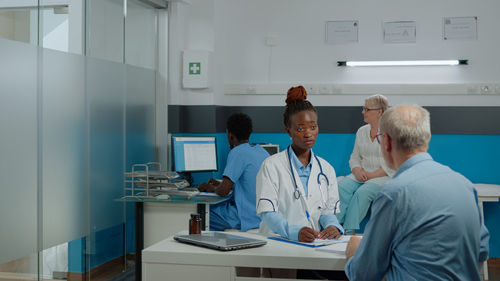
[{"x": 309, "y": 219}]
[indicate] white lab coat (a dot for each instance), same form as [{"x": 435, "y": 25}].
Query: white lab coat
[{"x": 275, "y": 192}]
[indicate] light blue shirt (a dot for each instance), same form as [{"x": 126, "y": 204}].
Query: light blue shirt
[
  {"x": 278, "y": 224},
  {"x": 425, "y": 225},
  {"x": 243, "y": 164},
  {"x": 302, "y": 171}
]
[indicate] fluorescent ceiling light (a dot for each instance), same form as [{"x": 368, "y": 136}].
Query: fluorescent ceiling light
[{"x": 402, "y": 63}]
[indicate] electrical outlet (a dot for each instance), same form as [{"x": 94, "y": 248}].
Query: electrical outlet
[{"x": 486, "y": 89}]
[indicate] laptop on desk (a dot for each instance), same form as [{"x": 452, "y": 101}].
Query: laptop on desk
[{"x": 220, "y": 241}]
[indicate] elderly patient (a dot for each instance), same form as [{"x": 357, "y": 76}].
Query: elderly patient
[
  {"x": 369, "y": 171},
  {"x": 425, "y": 222}
]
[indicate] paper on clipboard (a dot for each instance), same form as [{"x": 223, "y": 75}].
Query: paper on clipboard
[
  {"x": 315, "y": 244},
  {"x": 337, "y": 248}
]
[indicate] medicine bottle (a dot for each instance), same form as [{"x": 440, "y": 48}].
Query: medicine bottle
[{"x": 195, "y": 224}]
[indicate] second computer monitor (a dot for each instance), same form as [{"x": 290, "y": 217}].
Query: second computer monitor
[
  {"x": 271, "y": 148},
  {"x": 194, "y": 154}
]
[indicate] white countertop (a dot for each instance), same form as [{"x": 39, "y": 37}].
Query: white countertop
[
  {"x": 487, "y": 190},
  {"x": 274, "y": 254}
]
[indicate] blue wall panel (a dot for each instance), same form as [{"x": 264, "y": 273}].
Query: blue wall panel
[{"x": 474, "y": 156}]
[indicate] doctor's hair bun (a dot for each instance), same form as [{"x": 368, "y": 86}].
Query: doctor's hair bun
[
  {"x": 296, "y": 102},
  {"x": 295, "y": 94}
]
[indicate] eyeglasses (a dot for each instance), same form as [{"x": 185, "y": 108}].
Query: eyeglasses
[
  {"x": 368, "y": 109},
  {"x": 378, "y": 137}
]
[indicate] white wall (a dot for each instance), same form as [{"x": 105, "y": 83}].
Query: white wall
[{"x": 235, "y": 30}]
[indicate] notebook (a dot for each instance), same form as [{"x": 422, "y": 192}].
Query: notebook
[{"x": 220, "y": 241}]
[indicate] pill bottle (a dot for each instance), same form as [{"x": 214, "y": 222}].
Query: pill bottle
[{"x": 195, "y": 224}]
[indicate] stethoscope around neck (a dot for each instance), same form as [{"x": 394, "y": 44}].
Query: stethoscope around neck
[{"x": 296, "y": 193}]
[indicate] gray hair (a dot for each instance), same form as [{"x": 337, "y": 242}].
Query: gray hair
[
  {"x": 379, "y": 101},
  {"x": 408, "y": 125}
]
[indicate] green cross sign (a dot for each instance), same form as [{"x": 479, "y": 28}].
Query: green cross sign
[{"x": 194, "y": 68}]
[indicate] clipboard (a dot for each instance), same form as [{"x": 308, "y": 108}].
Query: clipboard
[{"x": 316, "y": 244}]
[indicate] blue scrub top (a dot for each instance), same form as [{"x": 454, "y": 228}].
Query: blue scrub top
[{"x": 243, "y": 164}]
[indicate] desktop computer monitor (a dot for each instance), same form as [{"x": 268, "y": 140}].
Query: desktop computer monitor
[
  {"x": 271, "y": 148},
  {"x": 194, "y": 154}
]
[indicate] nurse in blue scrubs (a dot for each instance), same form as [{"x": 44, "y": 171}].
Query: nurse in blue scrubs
[{"x": 243, "y": 163}]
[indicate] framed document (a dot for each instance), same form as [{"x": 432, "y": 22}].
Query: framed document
[
  {"x": 460, "y": 28},
  {"x": 342, "y": 32},
  {"x": 400, "y": 32}
]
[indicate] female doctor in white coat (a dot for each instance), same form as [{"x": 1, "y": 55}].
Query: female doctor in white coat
[{"x": 297, "y": 192}]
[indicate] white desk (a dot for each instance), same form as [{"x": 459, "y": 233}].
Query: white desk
[
  {"x": 171, "y": 260},
  {"x": 486, "y": 193}
]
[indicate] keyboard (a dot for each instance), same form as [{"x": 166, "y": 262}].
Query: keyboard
[
  {"x": 190, "y": 188},
  {"x": 182, "y": 193}
]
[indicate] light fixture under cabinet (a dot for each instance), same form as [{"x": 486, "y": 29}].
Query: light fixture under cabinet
[{"x": 403, "y": 63}]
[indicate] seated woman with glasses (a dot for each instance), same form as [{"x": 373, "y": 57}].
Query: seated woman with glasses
[{"x": 369, "y": 171}]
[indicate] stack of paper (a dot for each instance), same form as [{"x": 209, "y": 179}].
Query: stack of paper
[
  {"x": 337, "y": 248},
  {"x": 316, "y": 243}
]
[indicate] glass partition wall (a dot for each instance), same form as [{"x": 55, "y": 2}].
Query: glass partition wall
[{"x": 77, "y": 109}]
